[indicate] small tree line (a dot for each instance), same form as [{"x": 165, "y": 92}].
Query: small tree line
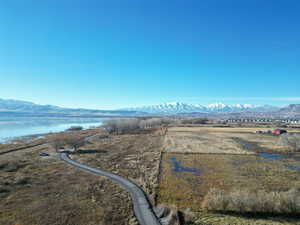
[
  {"x": 124, "y": 126},
  {"x": 243, "y": 201}
]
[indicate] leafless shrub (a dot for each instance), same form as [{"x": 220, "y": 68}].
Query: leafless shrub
[
  {"x": 58, "y": 141},
  {"x": 292, "y": 141},
  {"x": 194, "y": 121},
  {"x": 170, "y": 121},
  {"x": 74, "y": 141},
  {"x": 75, "y": 128},
  {"x": 12, "y": 166},
  {"x": 265, "y": 202},
  {"x": 239, "y": 200},
  {"x": 216, "y": 199},
  {"x": 22, "y": 180},
  {"x": 3, "y": 189},
  {"x": 290, "y": 201},
  {"x": 152, "y": 122},
  {"x": 254, "y": 202}
]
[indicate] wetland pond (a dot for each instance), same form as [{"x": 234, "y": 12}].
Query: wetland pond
[
  {"x": 285, "y": 159},
  {"x": 177, "y": 167},
  {"x": 290, "y": 158},
  {"x": 185, "y": 179}
]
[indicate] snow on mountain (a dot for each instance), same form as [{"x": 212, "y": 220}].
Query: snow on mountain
[
  {"x": 165, "y": 108},
  {"x": 179, "y": 107},
  {"x": 24, "y": 106},
  {"x": 292, "y": 108},
  {"x": 16, "y": 106},
  {"x": 171, "y": 107}
]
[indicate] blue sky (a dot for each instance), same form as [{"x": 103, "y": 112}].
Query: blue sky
[{"x": 119, "y": 53}]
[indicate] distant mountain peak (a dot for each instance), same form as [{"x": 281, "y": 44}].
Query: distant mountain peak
[
  {"x": 173, "y": 103},
  {"x": 179, "y": 107},
  {"x": 291, "y": 108},
  {"x": 10, "y": 106}
]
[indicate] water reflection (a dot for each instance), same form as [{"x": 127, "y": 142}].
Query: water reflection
[
  {"x": 177, "y": 167},
  {"x": 271, "y": 156},
  {"x": 20, "y": 127},
  {"x": 295, "y": 158}
]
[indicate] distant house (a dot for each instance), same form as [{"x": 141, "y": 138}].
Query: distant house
[{"x": 279, "y": 131}]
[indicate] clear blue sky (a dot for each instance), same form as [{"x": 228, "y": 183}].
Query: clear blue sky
[{"x": 118, "y": 53}]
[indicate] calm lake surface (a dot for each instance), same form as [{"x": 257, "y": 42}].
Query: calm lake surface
[{"x": 18, "y": 127}]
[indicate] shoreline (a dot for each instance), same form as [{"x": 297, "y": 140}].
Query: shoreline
[{"x": 27, "y": 138}]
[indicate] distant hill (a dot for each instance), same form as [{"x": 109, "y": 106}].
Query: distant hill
[
  {"x": 292, "y": 108},
  {"x": 24, "y": 108}
]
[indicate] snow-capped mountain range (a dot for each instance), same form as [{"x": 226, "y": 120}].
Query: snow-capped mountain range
[
  {"x": 16, "y": 107},
  {"x": 179, "y": 107}
]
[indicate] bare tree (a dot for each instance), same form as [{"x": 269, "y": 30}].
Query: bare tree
[
  {"x": 152, "y": 122},
  {"x": 75, "y": 141},
  {"x": 121, "y": 126},
  {"x": 58, "y": 141}
]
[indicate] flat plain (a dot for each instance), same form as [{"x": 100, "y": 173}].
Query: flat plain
[
  {"x": 176, "y": 169},
  {"x": 39, "y": 190},
  {"x": 197, "y": 159}
]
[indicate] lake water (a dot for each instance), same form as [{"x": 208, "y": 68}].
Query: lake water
[{"x": 19, "y": 127}]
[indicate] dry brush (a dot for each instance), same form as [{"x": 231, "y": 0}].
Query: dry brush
[{"x": 244, "y": 201}]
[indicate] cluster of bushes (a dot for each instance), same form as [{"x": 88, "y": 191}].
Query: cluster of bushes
[
  {"x": 121, "y": 126},
  {"x": 194, "y": 121},
  {"x": 125, "y": 126},
  {"x": 75, "y": 128},
  {"x": 72, "y": 140},
  {"x": 291, "y": 140},
  {"x": 11, "y": 166},
  {"x": 253, "y": 202}
]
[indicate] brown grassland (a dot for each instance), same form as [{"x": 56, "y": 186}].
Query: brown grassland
[
  {"x": 178, "y": 168},
  {"x": 228, "y": 160},
  {"x": 38, "y": 190},
  {"x": 220, "y": 140}
]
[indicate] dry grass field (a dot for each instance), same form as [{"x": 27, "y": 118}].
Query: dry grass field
[
  {"x": 242, "y": 160},
  {"x": 220, "y": 140},
  {"x": 135, "y": 157},
  {"x": 186, "y": 178},
  {"x": 37, "y": 190}
]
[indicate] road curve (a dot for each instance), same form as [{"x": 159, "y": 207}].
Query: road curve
[{"x": 142, "y": 208}]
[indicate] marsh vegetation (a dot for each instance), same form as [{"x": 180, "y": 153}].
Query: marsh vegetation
[{"x": 242, "y": 175}]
